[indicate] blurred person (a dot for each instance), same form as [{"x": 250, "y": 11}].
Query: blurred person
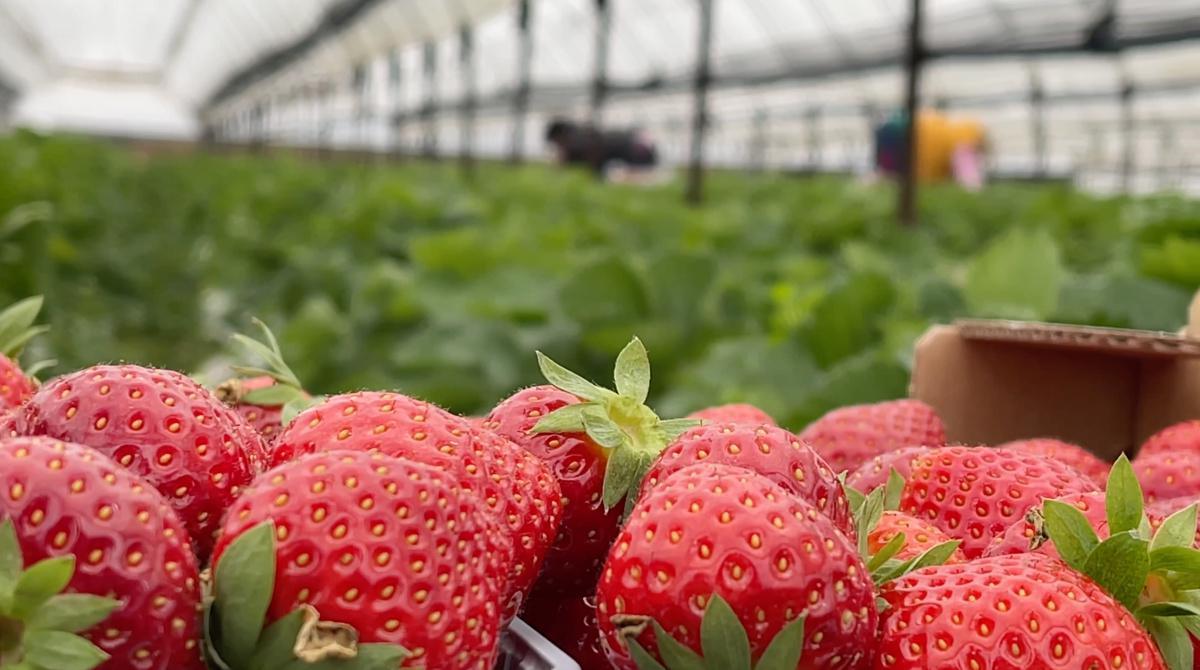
[
  {"x": 612, "y": 155},
  {"x": 947, "y": 149}
]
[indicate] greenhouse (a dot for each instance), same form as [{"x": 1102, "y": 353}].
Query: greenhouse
[{"x": 599, "y": 334}]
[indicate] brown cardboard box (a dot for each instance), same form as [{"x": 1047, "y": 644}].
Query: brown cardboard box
[{"x": 1104, "y": 388}]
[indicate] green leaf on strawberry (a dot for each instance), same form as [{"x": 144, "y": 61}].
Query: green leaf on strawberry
[
  {"x": 16, "y": 325},
  {"x": 39, "y": 626},
  {"x": 236, "y": 613},
  {"x": 619, "y": 422},
  {"x": 724, "y": 644},
  {"x": 286, "y": 390}
]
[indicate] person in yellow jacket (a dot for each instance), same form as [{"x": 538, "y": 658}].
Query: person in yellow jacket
[{"x": 947, "y": 148}]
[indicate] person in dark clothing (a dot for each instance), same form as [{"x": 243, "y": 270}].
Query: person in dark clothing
[{"x": 601, "y": 150}]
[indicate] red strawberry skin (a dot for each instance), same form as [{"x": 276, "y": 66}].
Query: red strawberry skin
[
  {"x": 718, "y": 529},
  {"x": 975, "y": 493},
  {"x": 1168, "y": 474},
  {"x": 518, "y": 492},
  {"x": 851, "y": 436},
  {"x": 389, "y": 546},
  {"x": 1019, "y": 538},
  {"x": 8, "y": 423},
  {"x": 767, "y": 450},
  {"x": 267, "y": 420},
  {"x": 571, "y": 624},
  {"x": 1010, "y": 612},
  {"x": 161, "y": 425},
  {"x": 874, "y": 473},
  {"x": 65, "y": 499},
  {"x": 578, "y": 464},
  {"x": 1183, "y": 436},
  {"x": 919, "y": 536},
  {"x": 1071, "y": 454},
  {"x": 734, "y": 413},
  {"x": 15, "y": 387}
]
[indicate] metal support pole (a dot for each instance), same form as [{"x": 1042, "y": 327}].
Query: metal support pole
[
  {"x": 695, "y": 183},
  {"x": 429, "y": 142},
  {"x": 1037, "y": 111},
  {"x": 466, "y": 59},
  {"x": 908, "y": 186},
  {"x": 600, "y": 71},
  {"x": 524, "y": 80},
  {"x": 1129, "y": 150},
  {"x": 395, "y": 100}
]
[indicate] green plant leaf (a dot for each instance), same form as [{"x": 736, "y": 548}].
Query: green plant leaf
[
  {"x": 601, "y": 429},
  {"x": 243, "y": 583},
  {"x": 632, "y": 371},
  {"x": 1018, "y": 276},
  {"x": 893, "y": 489},
  {"x": 620, "y": 476},
  {"x": 935, "y": 555},
  {"x": 1178, "y": 530},
  {"x": 641, "y": 657},
  {"x": 61, "y": 651},
  {"x": 1068, "y": 528},
  {"x": 1168, "y": 609},
  {"x": 1173, "y": 642},
  {"x": 1120, "y": 565},
  {"x": 11, "y": 562},
  {"x": 16, "y": 325},
  {"x": 570, "y": 382},
  {"x": 276, "y": 642},
  {"x": 369, "y": 657},
  {"x": 674, "y": 654},
  {"x": 671, "y": 429},
  {"x": 72, "y": 612},
  {"x": 41, "y": 581},
  {"x": 868, "y": 517},
  {"x": 270, "y": 396},
  {"x": 567, "y": 419},
  {"x": 1178, "y": 559},
  {"x": 856, "y": 499},
  {"x": 785, "y": 650},
  {"x": 1123, "y": 497},
  {"x": 723, "y": 640},
  {"x": 886, "y": 552}
]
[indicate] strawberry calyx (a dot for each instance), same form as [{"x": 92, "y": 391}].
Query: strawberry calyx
[
  {"x": 17, "y": 329},
  {"x": 286, "y": 390},
  {"x": 1155, "y": 575},
  {"x": 39, "y": 624},
  {"x": 724, "y": 643},
  {"x": 618, "y": 421},
  {"x": 235, "y": 611}
]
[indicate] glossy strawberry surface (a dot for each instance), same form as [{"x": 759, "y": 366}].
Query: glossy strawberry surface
[
  {"x": 874, "y": 473},
  {"x": 767, "y": 450},
  {"x": 15, "y": 387},
  {"x": 718, "y": 529},
  {"x": 1064, "y": 452},
  {"x": 1168, "y": 474},
  {"x": 68, "y": 500},
  {"x": 919, "y": 536},
  {"x": 162, "y": 426},
  {"x": 1183, "y": 436},
  {"x": 850, "y": 436},
  {"x": 578, "y": 464},
  {"x": 975, "y": 493},
  {"x": 1008, "y": 612},
  {"x": 571, "y": 624},
  {"x": 734, "y": 413},
  {"x": 389, "y": 546},
  {"x": 1024, "y": 536}
]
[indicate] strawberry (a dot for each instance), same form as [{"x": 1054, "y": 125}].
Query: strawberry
[
  {"x": 348, "y": 553},
  {"x": 8, "y": 423},
  {"x": 519, "y": 493},
  {"x": 16, "y": 329},
  {"x": 161, "y": 425},
  {"x": 267, "y": 398},
  {"x": 920, "y": 536},
  {"x": 1168, "y": 474},
  {"x": 1028, "y": 535},
  {"x": 1025, "y": 611},
  {"x": 88, "y": 527},
  {"x": 734, "y": 413},
  {"x": 1064, "y": 452},
  {"x": 717, "y": 536},
  {"x": 767, "y": 450},
  {"x": 975, "y": 493},
  {"x": 851, "y": 436},
  {"x": 875, "y": 472},
  {"x": 571, "y": 624},
  {"x": 598, "y": 444},
  {"x": 1183, "y": 436}
]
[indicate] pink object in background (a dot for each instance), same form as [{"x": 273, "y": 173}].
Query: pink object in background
[{"x": 968, "y": 168}]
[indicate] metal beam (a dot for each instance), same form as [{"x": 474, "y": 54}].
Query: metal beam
[
  {"x": 179, "y": 33},
  {"x": 907, "y": 211},
  {"x": 695, "y": 182},
  {"x": 466, "y": 60},
  {"x": 524, "y": 79},
  {"x": 429, "y": 109},
  {"x": 600, "y": 84}
]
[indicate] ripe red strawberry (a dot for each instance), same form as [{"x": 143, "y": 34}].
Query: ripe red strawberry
[
  {"x": 266, "y": 419},
  {"x": 123, "y": 542},
  {"x": 571, "y": 624},
  {"x": 919, "y": 537},
  {"x": 268, "y": 397},
  {"x": 767, "y": 450},
  {"x": 162, "y": 426},
  {"x": 851, "y": 436},
  {"x": 717, "y": 531},
  {"x": 874, "y": 473},
  {"x": 597, "y": 443},
  {"x": 16, "y": 329},
  {"x": 1064, "y": 452},
  {"x": 518, "y": 492},
  {"x": 1168, "y": 474},
  {"x": 388, "y": 547},
  {"x": 1183, "y": 436},
  {"x": 735, "y": 413},
  {"x": 1027, "y": 534},
  {"x": 1025, "y": 611},
  {"x": 975, "y": 493},
  {"x": 8, "y": 423}
]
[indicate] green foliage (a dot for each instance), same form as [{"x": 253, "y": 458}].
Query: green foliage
[{"x": 795, "y": 294}]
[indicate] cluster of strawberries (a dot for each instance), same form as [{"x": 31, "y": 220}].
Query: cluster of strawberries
[{"x": 146, "y": 522}]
